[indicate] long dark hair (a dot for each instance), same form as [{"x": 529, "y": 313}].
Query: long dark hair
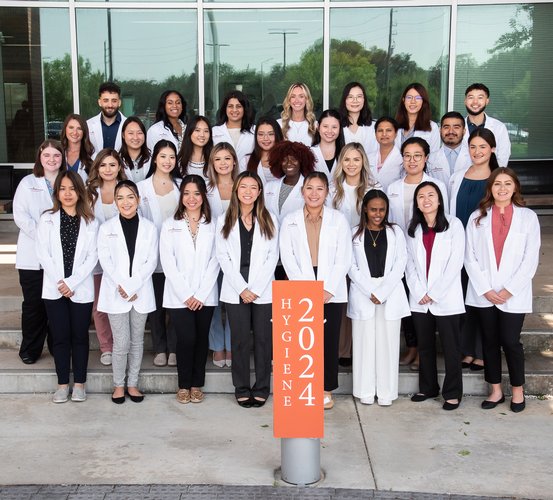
[
  {"x": 489, "y": 137},
  {"x": 259, "y": 213},
  {"x": 255, "y": 157},
  {"x": 424, "y": 116},
  {"x": 83, "y": 208},
  {"x": 247, "y": 119},
  {"x": 365, "y": 116},
  {"x": 161, "y": 114},
  {"x": 364, "y": 218},
  {"x": 340, "y": 141},
  {"x": 144, "y": 154},
  {"x": 488, "y": 199},
  {"x": 200, "y": 184},
  {"x": 95, "y": 181},
  {"x": 187, "y": 148},
  {"x": 175, "y": 174},
  {"x": 87, "y": 149},
  {"x": 441, "y": 224}
]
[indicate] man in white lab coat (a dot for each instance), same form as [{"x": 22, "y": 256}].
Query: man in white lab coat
[
  {"x": 477, "y": 97},
  {"x": 105, "y": 127}
]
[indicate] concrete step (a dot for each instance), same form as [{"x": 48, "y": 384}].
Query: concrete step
[{"x": 15, "y": 377}]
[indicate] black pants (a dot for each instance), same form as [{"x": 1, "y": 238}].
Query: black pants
[
  {"x": 250, "y": 326},
  {"x": 449, "y": 331},
  {"x": 34, "y": 321},
  {"x": 69, "y": 321},
  {"x": 502, "y": 330},
  {"x": 192, "y": 328},
  {"x": 471, "y": 333},
  {"x": 164, "y": 338},
  {"x": 333, "y": 317},
  {"x": 407, "y": 324}
]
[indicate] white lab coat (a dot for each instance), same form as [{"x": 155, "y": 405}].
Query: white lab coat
[
  {"x": 392, "y": 169},
  {"x": 432, "y": 137},
  {"x": 292, "y": 203},
  {"x": 389, "y": 289},
  {"x": 264, "y": 173},
  {"x": 190, "y": 270},
  {"x": 443, "y": 283},
  {"x": 215, "y": 202},
  {"x": 114, "y": 258},
  {"x": 438, "y": 166},
  {"x": 50, "y": 256},
  {"x": 31, "y": 199},
  {"x": 395, "y": 195},
  {"x": 245, "y": 145},
  {"x": 137, "y": 175},
  {"x": 299, "y": 132},
  {"x": 95, "y": 133},
  {"x": 503, "y": 143},
  {"x": 158, "y": 131},
  {"x": 100, "y": 217},
  {"x": 320, "y": 163},
  {"x": 518, "y": 264},
  {"x": 334, "y": 258},
  {"x": 264, "y": 258},
  {"x": 365, "y": 136}
]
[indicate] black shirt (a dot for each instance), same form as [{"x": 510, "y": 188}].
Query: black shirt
[
  {"x": 130, "y": 230},
  {"x": 69, "y": 233},
  {"x": 376, "y": 245},
  {"x": 246, "y": 240}
]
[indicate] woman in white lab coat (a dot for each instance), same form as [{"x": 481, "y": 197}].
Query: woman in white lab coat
[
  {"x": 377, "y": 301},
  {"x": 66, "y": 250},
  {"x": 222, "y": 170},
  {"x": 128, "y": 253},
  {"x": 32, "y": 197},
  {"x": 297, "y": 119},
  {"x": 135, "y": 155},
  {"x": 187, "y": 254},
  {"x": 106, "y": 171},
  {"x": 197, "y": 143},
  {"x": 170, "y": 121},
  {"x": 303, "y": 232},
  {"x": 502, "y": 254},
  {"x": 414, "y": 117},
  {"x": 76, "y": 143},
  {"x": 267, "y": 134},
  {"x": 247, "y": 250},
  {"x": 435, "y": 248},
  {"x": 328, "y": 142},
  {"x": 386, "y": 162},
  {"x": 159, "y": 197},
  {"x": 235, "y": 124},
  {"x": 357, "y": 122}
]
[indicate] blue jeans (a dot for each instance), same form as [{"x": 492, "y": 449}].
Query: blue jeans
[{"x": 219, "y": 335}]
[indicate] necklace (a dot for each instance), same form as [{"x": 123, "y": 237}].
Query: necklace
[{"x": 373, "y": 238}]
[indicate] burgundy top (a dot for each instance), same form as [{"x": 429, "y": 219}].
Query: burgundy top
[
  {"x": 501, "y": 222},
  {"x": 428, "y": 242}
]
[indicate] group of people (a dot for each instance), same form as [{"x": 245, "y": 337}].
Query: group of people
[{"x": 405, "y": 222}]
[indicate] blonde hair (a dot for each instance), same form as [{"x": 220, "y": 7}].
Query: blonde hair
[
  {"x": 212, "y": 174},
  {"x": 366, "y": 181},
  {"x": 286, "y": 114}
]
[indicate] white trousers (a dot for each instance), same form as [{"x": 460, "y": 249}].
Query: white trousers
[{"x": 375, "y": 357}]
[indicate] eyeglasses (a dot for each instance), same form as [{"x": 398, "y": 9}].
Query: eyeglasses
[
  {"x": 359, "y": 97},
  {"x": 416, "y": 157},
  {"x": 265, "y": 135},
  {"x": 413, "y": 97}
]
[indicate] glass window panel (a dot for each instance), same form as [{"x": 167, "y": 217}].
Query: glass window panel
[
  {"x": 144, "y": 51},
  {"x": 508, "y": 48},
  {"x": 386, "y": 49},
  {"x": 262, "y": 52},
  {"x": 35, "y": 79}
]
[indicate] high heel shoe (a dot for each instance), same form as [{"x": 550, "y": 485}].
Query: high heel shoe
[
  {"x": 245, "y": 403},
  {"x": 258, "y": 403},
  {"x": 220, "y": 363}
]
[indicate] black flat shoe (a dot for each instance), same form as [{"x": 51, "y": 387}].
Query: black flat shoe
[
  {"x": 464, "y": 364},
  {"x": 258, "y": 403},
  {"x": 476, "y": 368},
  {"x": 246, "y": 403},
  {"x": 450, "y": 406},
  {"x": 136, "y": 399},
  {"x": 490, "y": 405},
  {"x": 118, "y": 401},
  {"x": 28, "y": 360},
  {"x": 419, "y": 397},
  {"x": 518, "y": 407},
  {"x": 345, "y": 362}
]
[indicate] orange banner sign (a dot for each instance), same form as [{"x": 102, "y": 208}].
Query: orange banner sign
[{"x": 298, "y": 376}]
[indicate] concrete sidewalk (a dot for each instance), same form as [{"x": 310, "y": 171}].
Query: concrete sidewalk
[{"x": 408, "y": 447}]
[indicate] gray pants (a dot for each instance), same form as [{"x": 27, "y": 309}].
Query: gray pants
[{"x": 128, "y": 346}]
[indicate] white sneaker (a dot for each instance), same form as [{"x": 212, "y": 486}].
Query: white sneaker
[
  {"x": 61, "y": 395},
  {"x": 79, "y": 394},
  {"x": 367, "y": 401},
  {"x": 172, "y": 360},
  {"x": 160, "y": 359},
  {"x": 105, "y": 358}
]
